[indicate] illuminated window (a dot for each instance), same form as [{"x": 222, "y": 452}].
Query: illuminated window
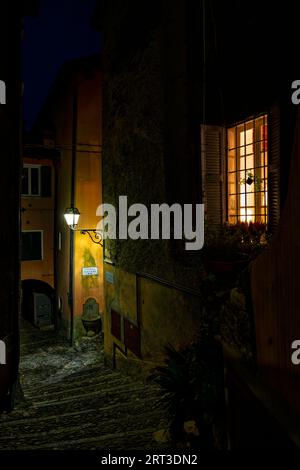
[{"x": 247, "y": 170}]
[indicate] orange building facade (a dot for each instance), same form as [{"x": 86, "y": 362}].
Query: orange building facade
[
  {"x": 38, "y": 198},
  {"x": 72, "y": 263}
]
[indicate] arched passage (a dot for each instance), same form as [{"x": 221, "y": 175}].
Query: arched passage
[{"x": 37, "y": 305}]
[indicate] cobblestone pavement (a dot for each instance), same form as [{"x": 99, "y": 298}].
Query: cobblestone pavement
[{"x": 73, "y": 401}]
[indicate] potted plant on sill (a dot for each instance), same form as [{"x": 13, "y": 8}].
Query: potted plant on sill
[{"x": 229, "y": 249}]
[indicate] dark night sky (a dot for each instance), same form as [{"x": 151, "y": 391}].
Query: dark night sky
[{"x": 60, "y": 32}]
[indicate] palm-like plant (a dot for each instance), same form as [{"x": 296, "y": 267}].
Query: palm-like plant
[{"x": 192, "y": 383}]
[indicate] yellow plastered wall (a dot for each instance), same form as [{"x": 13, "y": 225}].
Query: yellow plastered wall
[
  {"x": 165, "y": 315},
  {"x": 87, "y": 253}
]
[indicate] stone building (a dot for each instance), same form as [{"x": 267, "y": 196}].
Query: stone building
[{"x": 196, "y": 111}]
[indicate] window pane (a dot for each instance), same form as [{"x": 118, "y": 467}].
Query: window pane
[
  {"x": 250, "y": 188},
  {"x": 232, "y": 178},
  {"x": 232, "y": 205},
  {"x": 35, "y": 189},
  {"x": 264, "y": 201},
  {"x": 250, "y": 200},
  {"x": 263, "y": 158},
  {"x": 231, "y": 138},
  {"x": 249, "y": 133},
  {"x": 261, "y": 125},
  {"x": 243, "y": 200},
  {"x": 231, "y": 188},
  {"x": 25, "y": 181},
  {"x": 31, "y": 246},
  {"x": 240, "y": 135},
  {"x": 231, "y": 160},
  {"x": 249, "y": 162}
]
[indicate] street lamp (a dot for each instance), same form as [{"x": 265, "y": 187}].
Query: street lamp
[{"x": 71, "y": 216}]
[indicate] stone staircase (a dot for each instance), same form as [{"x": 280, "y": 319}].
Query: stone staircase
[{"x": 73, "y": 401}]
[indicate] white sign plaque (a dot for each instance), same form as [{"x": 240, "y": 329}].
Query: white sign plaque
[{"x": 91, "y": 271}]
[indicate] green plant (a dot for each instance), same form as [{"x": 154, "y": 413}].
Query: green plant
[
  {"x": 222, "y": 244},
  {"x": 250, "y": 179},
  {"x": 192, "y": 382}
]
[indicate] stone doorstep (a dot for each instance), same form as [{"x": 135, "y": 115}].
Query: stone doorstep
[{"x": 46, "y": 328}]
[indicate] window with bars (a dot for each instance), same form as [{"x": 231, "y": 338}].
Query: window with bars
[{"x": 247, "y": 171}]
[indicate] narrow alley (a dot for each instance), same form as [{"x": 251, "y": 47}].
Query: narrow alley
[
  {"x": 73, "y": 401},
  {"x": 150, "y": 227}
]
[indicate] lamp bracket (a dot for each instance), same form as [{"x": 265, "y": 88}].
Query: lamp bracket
[{"x": 94, "y": 235}]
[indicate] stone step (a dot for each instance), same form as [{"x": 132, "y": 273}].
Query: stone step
[
  {"x": 97, "y": 377},
  {"x": 105, "y": 397},
  {"x": 40, "y": 374},
  {"x": 74, "y": 401},
  {"x": 70, "y": 391},
  {"x": 132, "y": 440},
  {"x": 56, "y": 386},
  {"x": 128, "y": 396},
  {"x": 96, "y": 425},
  {"x": 24, "y": 424}
]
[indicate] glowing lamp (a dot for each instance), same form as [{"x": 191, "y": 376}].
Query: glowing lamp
[{"x": 71, "y": 216}]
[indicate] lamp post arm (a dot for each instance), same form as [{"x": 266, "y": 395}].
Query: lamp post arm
[{"x": 95, "y": 235}]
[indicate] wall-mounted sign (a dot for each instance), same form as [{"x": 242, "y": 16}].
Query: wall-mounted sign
[
  {"x": 109, "y": 277},
  {"x": 91, "y": 271}
]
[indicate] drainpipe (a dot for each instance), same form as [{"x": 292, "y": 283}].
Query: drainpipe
[{"x": 72, "y": 233}]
